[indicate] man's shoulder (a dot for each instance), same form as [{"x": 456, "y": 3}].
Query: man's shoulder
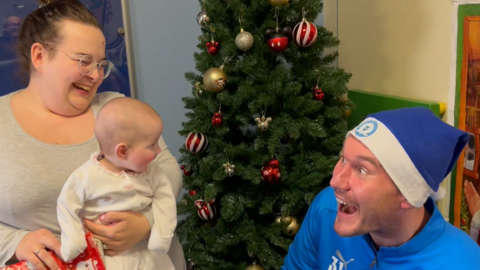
[
  {"x": 452, "y": 249},
  {"x": 459, "y": 245},
  {"x": 325, "y": 200}
]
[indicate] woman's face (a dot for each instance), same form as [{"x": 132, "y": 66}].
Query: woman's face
[{"x": 65, "y": 90}]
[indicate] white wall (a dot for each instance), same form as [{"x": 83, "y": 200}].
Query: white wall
[{"x": 398, "y": 47}]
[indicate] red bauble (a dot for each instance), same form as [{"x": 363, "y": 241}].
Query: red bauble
[
  {"x": 213, "y": 47},
  {"x": 192, "y": 192},
  {"x": 274, "y": 163},
  {"x": 196, "y": 142},
  {"x": 278, "y": 42},
  {"x": 271, "y": 171},
  {"x": 217, "y": 119},
  {"x": 206, "y": 211},
  {"x": 318, "y": 93},
  {"x": 185, "y": 171},
  {"x": 305, "y": 33}
]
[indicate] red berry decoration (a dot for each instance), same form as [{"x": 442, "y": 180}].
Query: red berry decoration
[
  {"x": 217, "y": 119},
  {"x": 305, "y": 33},
  {"x": 274, "y": 163},
  {"x": 185, "y": 171},
  {"x": 318, "y": 93},
  {"x": 206, "y": 211},
  {"x": 192, "y": 193},
  {"x": 271, "y": 171},
  {"x": 196, "y": 142},
  {"x": 213, "y": 47}
]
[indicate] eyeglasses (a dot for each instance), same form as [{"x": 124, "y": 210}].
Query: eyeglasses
[{"x": 87, "y": 64}]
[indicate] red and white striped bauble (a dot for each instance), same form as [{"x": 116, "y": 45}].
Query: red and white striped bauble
[
  {"x": 206, "y": 211},
  {"x": 305, "y": 33},
  {"x": 196, "y": 142}
]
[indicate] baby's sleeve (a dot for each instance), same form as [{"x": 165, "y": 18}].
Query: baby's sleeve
[
  {"x": 164, "y": 208},
  {"x": 69, "y": 205}
]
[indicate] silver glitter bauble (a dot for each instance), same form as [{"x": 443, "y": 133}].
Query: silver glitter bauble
[
  {"x": 244, "y": 40},
  {"x": 202, "y": 18}
]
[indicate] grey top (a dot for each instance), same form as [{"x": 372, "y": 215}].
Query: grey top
[{"x": 32, "y": 174}]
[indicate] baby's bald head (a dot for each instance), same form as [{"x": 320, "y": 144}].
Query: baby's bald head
[{"x": 125, "y": 120}]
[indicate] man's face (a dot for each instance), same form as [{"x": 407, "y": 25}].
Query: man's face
[
  {"x": 374, "y": 202},
  {"x": 12, "y": 25}
]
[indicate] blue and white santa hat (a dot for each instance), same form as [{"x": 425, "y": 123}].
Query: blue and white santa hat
[{"x": 415, "y": 147}]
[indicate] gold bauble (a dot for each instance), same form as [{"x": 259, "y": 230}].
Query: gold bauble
[
  {"x": 214, "y": 79},
  {"x": 278, "y": 220},
  {"x": 254, "y": 266},
  {"x": 291, "y": 225},
  {"x": 244, "y": 40},
  {"x": 278, "y": 2},
  {"x": 347, "y": 113}
]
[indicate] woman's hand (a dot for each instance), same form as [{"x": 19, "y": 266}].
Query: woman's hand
[
  {"x": 119, "y": 231},
  {"x": 472, "y": 197},
  {"x": 32, "y": 249}
]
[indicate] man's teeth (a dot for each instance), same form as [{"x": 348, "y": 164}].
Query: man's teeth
[
  {"x": 342, "y": 202},
  {"x": 81, "y": 86}
]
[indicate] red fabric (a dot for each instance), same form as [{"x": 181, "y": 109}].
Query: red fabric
[{"x": 90, "y": 259}]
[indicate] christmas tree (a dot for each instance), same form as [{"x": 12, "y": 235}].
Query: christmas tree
[{"x": 267, "y": 119}]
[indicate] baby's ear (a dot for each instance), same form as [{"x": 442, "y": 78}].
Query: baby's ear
[{"x": 121, "y": 151}]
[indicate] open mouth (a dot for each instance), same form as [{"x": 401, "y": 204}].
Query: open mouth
[
  {"x": 346, "y": 208},
  {"x": 82, "y": 87}
]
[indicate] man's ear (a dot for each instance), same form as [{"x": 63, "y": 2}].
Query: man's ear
[
  {"x": 404, "y": 204},
  {"x": 121, "y": 151},
  {"x": 39, "y": 55}
]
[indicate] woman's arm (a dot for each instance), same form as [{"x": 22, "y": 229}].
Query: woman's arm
[
  {"x": 20, "y": 245},
  {"x": 11, "y": 237}
]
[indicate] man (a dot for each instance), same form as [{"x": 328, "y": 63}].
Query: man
[
  {"x": 379, "y": 212},
  {"x": 8, "y": 41}
]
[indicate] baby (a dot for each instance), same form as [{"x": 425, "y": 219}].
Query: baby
[{"x": 121, "y": 177}]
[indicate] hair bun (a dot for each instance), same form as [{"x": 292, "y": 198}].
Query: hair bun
[{"x": 44, "y": 3}]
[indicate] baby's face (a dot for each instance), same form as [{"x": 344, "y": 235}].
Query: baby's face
[{"x": 146, "y": 149}]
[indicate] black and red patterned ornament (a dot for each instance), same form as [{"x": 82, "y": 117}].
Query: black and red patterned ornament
[
  {"x": 318, "y": 93},
  {"x": 217, "y": 119},
  {"x": 206, "y": 211},
  {"x": 213, "y": 47},
  {"x": 271, "y": 171},
  {"x": 305, "y": 33},
  {"x": 185, "y": 171},
  {"x": 277, "y": 40},
  {"x": 196, "y": 142}
]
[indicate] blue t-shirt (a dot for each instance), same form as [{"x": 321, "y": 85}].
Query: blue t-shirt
[{"x": 439, "y": 245}]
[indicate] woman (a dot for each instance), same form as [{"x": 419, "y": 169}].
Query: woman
[{"x": 47, "y": 132}]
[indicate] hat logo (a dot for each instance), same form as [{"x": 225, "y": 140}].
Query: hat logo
[{"x": 366, "y": 129}]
